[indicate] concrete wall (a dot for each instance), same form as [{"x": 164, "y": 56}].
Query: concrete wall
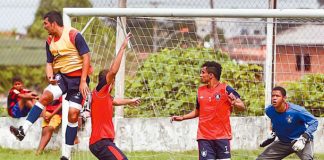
[{"x": 155, "y": 134}]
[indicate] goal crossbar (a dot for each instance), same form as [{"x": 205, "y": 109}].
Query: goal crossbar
[{"x": 224, "y": 13}]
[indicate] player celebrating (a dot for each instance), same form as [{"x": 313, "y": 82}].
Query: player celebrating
[
  {"x": 214, "y": 104},
  {"x": 20, "y": 100},
  {"x": 103, "y": 134},
  {"x": 67, "y": 68},
  {"x": 294, "y": 127}
]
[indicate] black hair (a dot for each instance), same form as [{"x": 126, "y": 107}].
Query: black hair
[
  {"x": 281, "y": 89},
  {"x": 54, "y": 16},
  {"x": 102, "y": 75},
  {"x": 214, "y": 68},
  {"x": 16, "y": 79}
]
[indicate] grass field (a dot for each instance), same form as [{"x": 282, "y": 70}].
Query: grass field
[{"x": 9, "y": 154}]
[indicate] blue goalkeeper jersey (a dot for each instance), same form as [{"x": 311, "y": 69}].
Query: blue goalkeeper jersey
[{"x": 292, "y": 123}]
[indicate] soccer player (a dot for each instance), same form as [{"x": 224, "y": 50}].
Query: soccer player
[
  {"x": 102, "y": 136},
  {"x": 20, "y": 100},
  {"x": 214, "y": 105},
  {"x": 293, "y": 125},
  {"x": 52, "y": 119},
  {"x": 67, "y": 69}
]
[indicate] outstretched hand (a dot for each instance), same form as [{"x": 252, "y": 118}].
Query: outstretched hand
[
  {"x": 135, "y": 102},
  {"x": 128, "y": 36},
  {"x": 176, "y": 118}
]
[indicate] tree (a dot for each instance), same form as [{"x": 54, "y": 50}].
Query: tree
[{"x": 36, "y": 29}]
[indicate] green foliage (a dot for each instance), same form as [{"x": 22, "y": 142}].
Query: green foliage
[
  {"x": 167, "y": 82},
  {"x": 308, "y": 92},
  {"x": 36, "y": 29},
  {"x": 32, "y": 76},
  {"x": 248, "y": 82}
]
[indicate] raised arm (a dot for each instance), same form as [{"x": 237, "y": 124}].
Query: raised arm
[{"x": 116, "y": 63}]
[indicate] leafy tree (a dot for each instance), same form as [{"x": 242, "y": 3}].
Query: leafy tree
[
  {"x": 36, "y": 29},
  {"x": 167, "y": 82}
]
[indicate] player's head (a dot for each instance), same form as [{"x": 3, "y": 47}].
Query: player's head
[
  {"x": 278, "y": 96},
  {"x": 210, "y": 70},
  {"x": 17, "y": 82},
  {"x": 52, "y": 19},
  {"x": 102, "y": 75}
]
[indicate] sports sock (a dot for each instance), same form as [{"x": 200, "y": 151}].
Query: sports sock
[
  {"x": 67, "y": 151},
  {"x": 70, "y": 133},
  {"x": 33, "y": 116}
]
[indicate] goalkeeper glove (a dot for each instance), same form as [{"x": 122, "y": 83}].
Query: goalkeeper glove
[
  {"x": 269, "y": 140},
  {"x": 300, "y": 142}
]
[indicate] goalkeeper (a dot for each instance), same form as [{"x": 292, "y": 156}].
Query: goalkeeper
[{"x": 294, "y": 127}]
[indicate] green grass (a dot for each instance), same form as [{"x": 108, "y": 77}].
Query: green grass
[{"x": 10, "y": 154}]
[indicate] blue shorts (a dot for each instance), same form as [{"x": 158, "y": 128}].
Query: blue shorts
[
  {"x": 214, "y": 149},
  {"x": 17, "y": 113},
  {"x": 70, "y": 86},
  {"x": 106, "y": 149}
]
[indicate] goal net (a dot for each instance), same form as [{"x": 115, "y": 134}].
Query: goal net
[{"x": 163, "y": 61}]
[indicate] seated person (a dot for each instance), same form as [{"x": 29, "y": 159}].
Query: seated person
[
  {"x": 20, "y": 100},
  {"x": 52, "y": 116}
]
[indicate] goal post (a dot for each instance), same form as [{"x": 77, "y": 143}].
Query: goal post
[
  {"x": 220, "y": 13},
  {"x": 224, "y": 13},
  {"x": 169, "y": 46}
]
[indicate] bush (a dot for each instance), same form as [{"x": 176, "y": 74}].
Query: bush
[
  {"x": 308, "y": 92},
  {"x": 167, "y": 82}
]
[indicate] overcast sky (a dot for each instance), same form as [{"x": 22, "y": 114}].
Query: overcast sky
[{"x": 19, "y": 14}]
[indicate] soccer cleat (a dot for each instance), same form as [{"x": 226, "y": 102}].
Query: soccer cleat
[
  {"x": 64, "y": 158},
  {"x": 18, "y": 132}
]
